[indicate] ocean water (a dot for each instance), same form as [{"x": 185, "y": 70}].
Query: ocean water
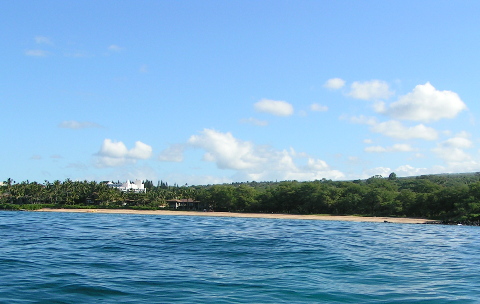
[{"x": 115, "y": 258}]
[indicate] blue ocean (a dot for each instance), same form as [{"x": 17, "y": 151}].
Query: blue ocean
[{"x": 124, "y": 258}]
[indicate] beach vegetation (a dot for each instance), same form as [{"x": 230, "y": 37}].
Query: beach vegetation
[{"x": 448, "y": 197}]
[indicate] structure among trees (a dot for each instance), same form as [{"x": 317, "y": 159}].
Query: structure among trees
[
  {"x": 127, "y": 186},
  {"x": 447, "y": 197}
]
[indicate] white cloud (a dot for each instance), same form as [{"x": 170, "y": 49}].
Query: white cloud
[
  {"x": 294, "y": 153},
  {"x": 402, "y": 148},
  {"x": 452, "y": 167},
  {"x": 253, "y": 162},
  {"x": 274, "y": 107},
  {"x": 426, "y": 104},
  {"x": 447, "y": 132},
  {"x": 407, "y": 170},
  {"x": 452, "y": 149},
  {"x": 368, "y": 141},
  {"x": 254, "y": 121},
  {"x": 318, "y": 107},
  {"x": 42, "y": 40},
  {"x": 36, "y": 53},
  {"x": 114, "y": 153},
  {"x": 379, "y": 107},
  {"x": 113, "y": 149},
  {"x": 395, "y": 129},
  {"x": 452, "y": 154},
  {"x": 225, "y": 150},
  {"x": 194, "y": 179},
  {"x": 376, "y": 149},
  {"x": 383, "y": 171},
  {"x": 105, "y": 161},
  {"x": 363, "y": 120},
  {"x": 394, "y": 148},
  {"x": 174, "y": 153},
  {"x": 72, "y": 124},
  {"x": 317, "y": 164},
  {"x": 115, "y": 48},
  {"x": 334, "y": 83},
  {"x": 140, "y": 151},
  {"x": 404, "y": 170},
  {"x": 457, "y": 142},
  {"x": 370, "y": 90},
  {"x": 466, "y": 165}
]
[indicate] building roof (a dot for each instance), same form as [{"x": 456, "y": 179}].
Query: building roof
[{"x": 183, "y": 200}]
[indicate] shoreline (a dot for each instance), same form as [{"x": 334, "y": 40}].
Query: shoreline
[{"x": 348, "y": 218}]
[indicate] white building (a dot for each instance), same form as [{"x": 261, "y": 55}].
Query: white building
[{"x": 137, "y": 186}]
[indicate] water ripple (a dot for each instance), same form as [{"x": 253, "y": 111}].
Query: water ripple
[{"x": 114, "y": 258}]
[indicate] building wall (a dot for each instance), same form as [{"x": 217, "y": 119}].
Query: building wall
[{"x": 137, "y": 186}]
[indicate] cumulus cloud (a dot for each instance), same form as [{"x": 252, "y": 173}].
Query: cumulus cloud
[
  {"x": 174, "y": 153},
  {"x": 254, "y": 121},
  {"x": 402, "y": 148},
  {"x": 73, "y": 124},
  {"x": 394, "y": 129},
  {"x": 334, "y": 83},
  {"x": 457, "y": 142},
  {"x": 36, "y": 53},
  {"x": 394, "y": 148},
  {"x": 225, "y": 150},
  {"x": 274, "y": 107},
  {"x": 318, "y": 107},
  {"x": 254, "y": 162},
  {"x": 426, "y": 104},
  {"x": 404, "y": 170},
  {"x": 379, "y": 106},
  {"x": 113, "y": 153},
  {"x": 196, "y": 179},
  {"x": 397, "y": 130},
  {"x": 370, "y": 90},
  {"x": 140, "y": 151},
  {"x": 383, "y": 171},
  {"x": 452, "y": 149},
  {"x": 407, "y": 170},
  {"x": 113, "y": 149}
]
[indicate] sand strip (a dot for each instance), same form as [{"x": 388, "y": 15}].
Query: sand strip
[{"x": 253, "y": 215}]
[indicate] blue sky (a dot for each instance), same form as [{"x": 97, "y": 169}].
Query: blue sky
[{"x": 203, "y": 92}]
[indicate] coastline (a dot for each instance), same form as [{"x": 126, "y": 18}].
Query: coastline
[{"x": 348, "y": 218}]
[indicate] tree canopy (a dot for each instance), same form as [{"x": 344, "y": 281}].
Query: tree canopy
[{"x": 449, "y": 197}]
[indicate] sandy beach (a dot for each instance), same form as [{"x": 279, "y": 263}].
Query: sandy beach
[{"x": 253, "y": 215}]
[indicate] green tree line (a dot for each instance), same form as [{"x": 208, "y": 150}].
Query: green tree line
[{"x": 454, "y": 197}]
